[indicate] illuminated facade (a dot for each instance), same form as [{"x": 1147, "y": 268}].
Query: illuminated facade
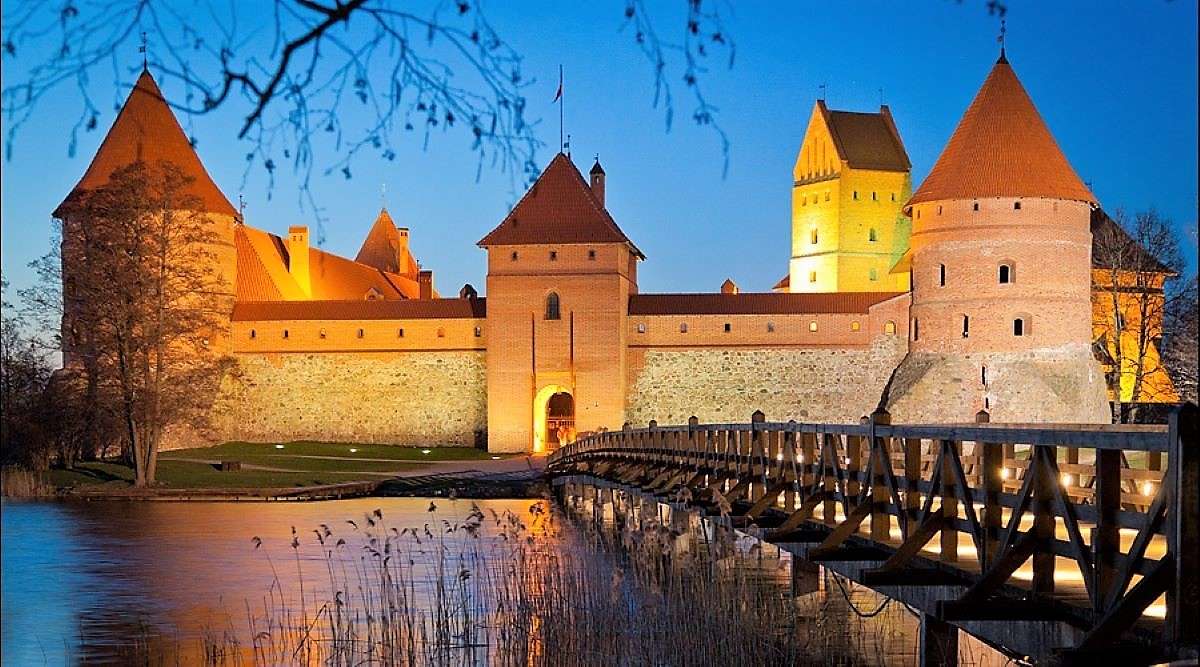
[{"x": 366, "y": 350}]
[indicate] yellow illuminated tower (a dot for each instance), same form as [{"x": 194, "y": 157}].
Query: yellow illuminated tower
[{"x": 849, "y": 183}]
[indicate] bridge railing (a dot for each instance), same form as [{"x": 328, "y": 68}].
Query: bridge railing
[{"x": 1122, "y": 501}]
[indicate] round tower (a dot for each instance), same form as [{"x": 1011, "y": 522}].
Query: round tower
[{"x": 1000, "y": 257}]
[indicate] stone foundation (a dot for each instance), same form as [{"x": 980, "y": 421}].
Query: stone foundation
[
  {"x": 1062, "y": 385},
  {"x": 411, "y": 398},
  {"x": 727, "y": 385}
]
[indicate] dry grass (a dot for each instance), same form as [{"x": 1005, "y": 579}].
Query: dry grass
[{"x": 17, "y": 482}]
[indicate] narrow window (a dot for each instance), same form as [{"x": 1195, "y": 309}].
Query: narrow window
[
  {"x": 975, "y": 206},
  {"x": 285, "y": 333},
  {"x": 889, "y": 328},
  {"x": 253, "y": 333},
  {"x": 683, "y": 327},
  {"x": 966, "y": 326},
  {"x": 321, "y": 333},
  {"x": 552, "y": 312},
  {"x": 1006, "y": 274},
  {"x": 400, "y": 332},
  {"x": 916, "y": 329},
  {"x": 874, "y": 197},
  {"x": 872, "y": 236},
  {"x": 983, "y": 375},
  {"x": 856, "y": 194},
  {"x": 812, "y": 236},
  {"x": 641, "y": 328},
  {"x": 826, "y": 195},
  {"x": 939, "y": 209},
  {"x": 441, "y": 333},
  {"x": 1016, "y": 206},
  {"x": 812, "y": 276},
  {"x": 478, "y": 331},
  {"x": 1018, "y": 327},
  {"x": 770, "y": 327},
  {"x": 553, "y": 255},
  {"x": 361, "y": 333},
  {"x": 874, "y": 274},
  {"x": 812, "y": 326},
  {"x": 855, "y": 326},
  {"x": 1120, "y": 320},
  {"x": 728, "y": 327},
  {"x": 804, "y": 200},
  {"x": 591, "y": 254},
  {"x": 893, "y": 196},
  {"x": 514, "y": 256},
  {"x": 941, "y": 275}
]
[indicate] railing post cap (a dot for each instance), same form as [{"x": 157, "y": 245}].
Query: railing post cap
[
  {"x": 881, "y": 416},
  {"x": 625, "y": 426},
  {"x": 982, "y": 417},
  {"x": 758, "y": 416},
  {"x": 693, "y": 420},
  {"x": 653, "y": 423}
]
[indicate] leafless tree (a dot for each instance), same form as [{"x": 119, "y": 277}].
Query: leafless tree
[
  {"x": 144, "y": 301},
  {"x": 1180, "y": 339},
  {"x": 415, "y": 73},
  {"x": 1136, "y": 259},
  {"x": 24, "y": 373}
]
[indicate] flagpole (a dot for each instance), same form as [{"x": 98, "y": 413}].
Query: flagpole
[{"x": 562, "y": 102}]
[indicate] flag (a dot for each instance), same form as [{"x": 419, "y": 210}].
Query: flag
[{"x": 558, "y": 95}]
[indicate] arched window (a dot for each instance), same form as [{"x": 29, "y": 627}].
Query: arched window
[
  {"x": 441, "y": 333},
  {"x": 1019, "y": 327},
  {"x": 361, "y": 333},
  {"x": 872, "y": 236},
  {"x": 1006, "y": 273},
  {"x": 812, "y": 276},
  {"x": 253, "y": 333},
  {"x": 812, "y": 326},
  {"x": 889, "y": 328},
  {"x": 941, "y": 275},
  {"x": 683, "y": 327},
  {"x": 770, "y": 327},
  {"x": 855, "y": 326},
  {"x": 285, "y": 333},
  {"x": 552, "y": 312}
]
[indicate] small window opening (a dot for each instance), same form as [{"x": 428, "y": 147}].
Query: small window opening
[
  {"x": 983, "y": 375},
  {"x": 361, "y": 333},
  {"x": 400, "y": 332},
  {"x": 856, "y": 194},
  {"x": 893, "y": 196},
  {"x": 939, "y": 209},
  {"x": 552, "y": 310},
  {"x": 874, "y": 197},
  {"x": 728, "y": 327},
  {"x": 855, "y": 326},
  {"x": 812, "y": 236},
  {"x": 873, "y": 274},
  {"x": 1016, "y": 206},
  {"x": 683, "y": 327},
  {"x": 812, "y": 276},
  {"x": 514, "y": 256},
  {"x": 872, "y": 235},
  {"x": 966, "y": 330},
  {"x": 253, "y": 333},
  {"x": 916, "y": 329},
  {"x": 1019, "y": 327},
  {"x": 812, "y": 326},
  {"x": 1006, "y": 274},
  {"x": 641, "y": 327},
  {"x": 321, "y": 333},
  {"x": 889, "y": 328},
  {"x": 770, "y": 327},
  {"x": 285, "y": 333},
  {"x": 941, "y": 275},
  {"x": 975, "y": 206},
  {"x": 553, "y": 255},
  {"x": 826, "y": 195},
  {"x": 591, "y": 254},
  {"x": 478, "y": 331},
  {"x": 441, "y": 333}
]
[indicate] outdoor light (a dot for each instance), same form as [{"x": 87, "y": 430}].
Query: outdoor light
[
  {"x": 353, "y": 450},
  {"x": 425, "y": 451},
  {"x": 495, "y": 458},
  {"x": 1067, "y": 479},
  {"x": 779, "y": 456},
  {"x": 278, "y": 446},
  {"x": 1148, "y": 489},
  {"x": 1004, "y": 473},
  {"x": 801, "y": 458}
]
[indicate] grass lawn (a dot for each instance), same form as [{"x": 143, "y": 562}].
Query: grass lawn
[
  {"x": 188, "y": 475},
  {"x": 244, "y": 451}
]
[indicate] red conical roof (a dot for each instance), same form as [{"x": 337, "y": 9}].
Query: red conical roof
[
  {"x": 1001, "y": 148},
  {"x": 558, "y": 208},
  {"x": 385, "y": 250},
  {"x": 146, "y": 130}
]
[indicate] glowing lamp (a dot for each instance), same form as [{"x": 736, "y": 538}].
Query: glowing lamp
[
  {"x": 425, "y": 451},
  {"x": 278, "y": 446},
  {"x": 1148, "y": 489}
]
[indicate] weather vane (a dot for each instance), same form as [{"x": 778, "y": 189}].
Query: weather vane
[
  {"x": 1000, "y": 39},
  {"x": 241, "y": 208},
  {"x": 822, "y": 87},
  {"x": 383, "y": 195},
  {"x": 142, "y": 50}
]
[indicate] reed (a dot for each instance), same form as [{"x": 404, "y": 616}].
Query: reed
[{"x": 18, "y": 482}]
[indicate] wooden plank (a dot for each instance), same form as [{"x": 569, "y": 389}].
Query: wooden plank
[
  {"x": 1106, "y": 536},
  {"x": 1183, "y": 535}
]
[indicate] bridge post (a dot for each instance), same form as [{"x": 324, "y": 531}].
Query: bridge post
[
  {"x": 790, "y": 459},
  {"x": 1043, "y": 464},
  {"x": 1183, "y": 599},
  {"x": 939, "y": 643},
  {"x": 758, "y": 463},
  {"x": 949, "y": 539},
  {"x": 881, "y": 519},
  {"x": 992, "y": 475}
]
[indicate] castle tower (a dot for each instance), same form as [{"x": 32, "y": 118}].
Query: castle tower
[
  {"x": 146, "y": 130},
  {"x": 560, "y": 273},
  {"x": 850, "y": 179},
  {"x": 386, "y": 248},
  {"x": 1000, "y": 261}
]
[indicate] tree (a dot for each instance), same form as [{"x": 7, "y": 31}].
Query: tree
[
  {"x": 1133, "y": 261},
  {"x": 1180, "y": 340},
  {"x": 416, "y": 73},
  {"x": 24, "y": 373},
  {"x": 144, "y": 311}
]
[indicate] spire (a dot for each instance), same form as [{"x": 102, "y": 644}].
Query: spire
[
  {"x": 146, "y": 130},
  {"x": 1003, "y": 29},
  {"x": 1001, "y": 148},
  {"x": 386, "y": 247}
]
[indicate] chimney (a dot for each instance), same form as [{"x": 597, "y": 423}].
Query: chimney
[
  {"x": 729, "y": 287},
  {"x": 597, "y": 174},
  {"x": 297, "y": 247},
  {"x": 425, "y": 283},
  {"x": 402, "y": 247},
  {"x": 468, "y": 292}
]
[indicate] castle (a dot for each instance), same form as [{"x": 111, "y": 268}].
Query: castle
[{"x": 973, "y": 292}]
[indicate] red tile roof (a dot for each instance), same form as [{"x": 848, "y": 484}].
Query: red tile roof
[
  {"x": 408, "y": 309},
  {"x": 146, "y": 130},
  {"x": 1001, "y": 148},
  {"x": 384, "y": 249},
  {"x": 755, "y": 303},
  {"x": 558, "y": 208},
  {"x": 784, "y": 283},
  {"x": 253, "y": 282},
  {"x": 867, "y": 140}
]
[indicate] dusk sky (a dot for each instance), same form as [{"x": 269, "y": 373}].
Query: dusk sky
[{"x": 1115, "y": 81}]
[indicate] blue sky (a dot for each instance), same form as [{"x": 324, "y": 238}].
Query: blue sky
[{"x": 1115, "y": 81}]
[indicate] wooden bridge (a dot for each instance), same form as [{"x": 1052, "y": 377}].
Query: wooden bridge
[{"x": 1060, "y": 543}]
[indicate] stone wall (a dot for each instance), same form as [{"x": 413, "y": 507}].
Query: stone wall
[
  {"x": 807, "y": 384},
  {"x": 400, "y": 398}
]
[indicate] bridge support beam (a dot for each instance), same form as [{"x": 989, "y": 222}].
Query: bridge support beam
[{"x": 939, "y": 643}]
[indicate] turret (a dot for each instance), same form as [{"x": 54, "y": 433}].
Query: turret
[
  {"x": 597, "y": 176},
  {"x": 297, "y": 247}
]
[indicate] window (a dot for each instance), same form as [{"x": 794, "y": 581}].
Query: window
[
  {"x": 285, "y": 333},
  {"x": 683, "y": 327},
  {"x": 400, "y": 332},
  {"x": 592, "y": 254},
  {"x": 804, "y": 200},
  {"x": 966, "y": 330},
  {"x": 893, "y": 196},
  {"x": 855, "y": 326},
  {"x": 983, "y": 375},
  {"x": 253, "y": 333},
  {"x": 553, "y": 255},
  {"x": 918, "y": 214},
  {"x": 916, "y": 329},
  {"x": 812, "y": 276},
  {"x": 812, "y": 326},
  {"x": 856, "y": 194},
  {"x": 826, "y": 195},
  {"x": 514, "y": 256},
  {"x": 941, "y": 275},
  {"x": 728, "y": 327},
  {"x": 874, "y": 197},
  {"x": 975, "y": 206},
  {"x": 812, "y": 236},
  {"x": 1006, "y": 273},
  {"x": 1016, "y": 206},
  {"x": 1120, "y": 320},
  {"x": 872, "y": 236},
  {"x": 321, "y": 333},
  {"x": 889, "y": 328},
  {"x": 939, "y": 209},
  {"x": 873, "y": 274},
  {"x": 770, "y": 327},
  {"x": 441, "y": 333},
  {"x": 1019, "y": 327},
  {"x": 478, "y": 331},
  {"x": 552, "y": 312},
  {"x": 361, "y": 333},
  {"x": 641, "y": 327}
]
